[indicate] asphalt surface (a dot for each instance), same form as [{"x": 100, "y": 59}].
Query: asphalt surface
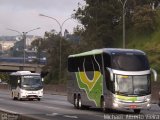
[{"x": 56, "y": 107}]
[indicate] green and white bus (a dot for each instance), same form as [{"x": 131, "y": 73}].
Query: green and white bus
[
  {"x": 26, "y": 85},
  {"x": 110, "y": 78}
]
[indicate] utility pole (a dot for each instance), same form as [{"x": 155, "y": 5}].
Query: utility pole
[
  {"x": 23, "y": 35},
  {"x": 124, "y": 23},
  {"x": 60, "y": 44}
]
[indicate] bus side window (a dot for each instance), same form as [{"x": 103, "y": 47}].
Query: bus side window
[
  {"x": 74, "y": 64},
  {"x": 107, "y": 60}
]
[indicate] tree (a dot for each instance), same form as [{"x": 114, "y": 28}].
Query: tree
[
  {"x": 4, "y": 76},
  {"x": 144, "y": 19},
  {"x": 50, "y": 43},
  {"x": 102, "y": 20},
  {"x": 97, "y": 17}
]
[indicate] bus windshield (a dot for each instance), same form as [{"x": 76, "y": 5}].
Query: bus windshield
[
  {"x": 31, "y": 82},
  {"x": 132, "y": 85},
  {"x": 130, "y": 62}
]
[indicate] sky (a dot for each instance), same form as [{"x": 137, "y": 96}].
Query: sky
[{"x": 23, "y": 16}]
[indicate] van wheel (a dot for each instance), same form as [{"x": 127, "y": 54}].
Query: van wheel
[
  {"x": 79, "y": 102},
  {"x": 14, "y": 98},
  {"x": 19, "y": 97},
  {"x": 137, "y": 111},
  {"x": 39, "y": 99},
  {"x": 103, "y": 105}
]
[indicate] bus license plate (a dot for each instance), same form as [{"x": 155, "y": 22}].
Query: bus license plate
[{"x": 133, "y": 106}]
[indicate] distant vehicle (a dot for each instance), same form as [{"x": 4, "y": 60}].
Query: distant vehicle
[
  {"x": 43, "y": 58},
  {"x": 4, "y": 83},
  {"x": 26, "y": 85},
  {"x": 31, "y": 59},
  {"x": 110, "y": 79}
]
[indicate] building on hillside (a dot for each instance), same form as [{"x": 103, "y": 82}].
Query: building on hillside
[
  {"x": 6, "y": 45},
  {"x": 30, "y": 39}
]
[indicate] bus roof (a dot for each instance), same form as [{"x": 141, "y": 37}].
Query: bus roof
[
  {"x": 23, "y": 73},
  {"x": 108, "y": 50}
]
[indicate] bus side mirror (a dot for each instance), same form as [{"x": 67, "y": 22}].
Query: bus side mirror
[
  {"x": 18, "y": 82},
  {"x": 154, "y": 74},
  {"x": 111, "y": 73}
]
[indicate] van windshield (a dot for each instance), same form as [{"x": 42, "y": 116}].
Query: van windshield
[{"x": 31, "y": 82}]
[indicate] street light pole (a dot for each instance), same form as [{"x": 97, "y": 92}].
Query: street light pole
[
  {"x": 23, "y": 34},
  {"x": 24, "y": 46},
  {"x": 60, "y": 44},
  {"x": 124, "y": 24}
]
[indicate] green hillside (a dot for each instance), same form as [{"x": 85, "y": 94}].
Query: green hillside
[{"x": 148, "y": 43}]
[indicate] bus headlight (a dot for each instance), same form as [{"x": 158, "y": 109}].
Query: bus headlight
[
  {"x": 40, "y": 92},
  {"x": 22, "y": 92},
  {"x": 148, "y": 105},
  {"x": 148, "y": 99},
  {"x": 115, "y": 104}
]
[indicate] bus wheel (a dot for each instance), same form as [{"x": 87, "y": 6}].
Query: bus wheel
[
  {"x": 103, "y": 105},
  {"x": 75, "y": 101},
  {"x": 39, "y": 99},
  {"x": 137, "y": 111},
  {"x": 79, "y": 102}
]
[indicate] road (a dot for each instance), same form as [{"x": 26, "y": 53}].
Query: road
[
  {"x": 56, "y": 107},
  {"x": 20, "y": 60}
]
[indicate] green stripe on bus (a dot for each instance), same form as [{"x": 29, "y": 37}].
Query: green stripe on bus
[
  {"x": 125, "y": 98},
  {"x": 93, "y": 94}
]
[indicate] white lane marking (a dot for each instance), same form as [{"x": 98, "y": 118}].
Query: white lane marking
[
  {"x": 69, "y": 116},
  {"x": 57, "y": 102},
  {"x": 9, "y": 111},
  {"x": 52, "y": 114},
  {"x": 102, "y": 116},
  {"x": 35, "y": 117},
  {"x": 57, "y": 114},
  {"x": 21, "y": 102},
  {"x": 52, "y": 107},
  {"x": 49, "y": 107}
]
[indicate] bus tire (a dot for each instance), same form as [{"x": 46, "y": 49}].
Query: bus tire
[
  {"x": 79, "y": 102},
  {"x": 103, "y": 105},
  {"x": 75, "y": 101},
  {"x": 137, "y": 111},
  {"x": 39, "y": 99}
]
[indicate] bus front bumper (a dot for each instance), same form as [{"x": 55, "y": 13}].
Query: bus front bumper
[{"x": 131, "y": 105}]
